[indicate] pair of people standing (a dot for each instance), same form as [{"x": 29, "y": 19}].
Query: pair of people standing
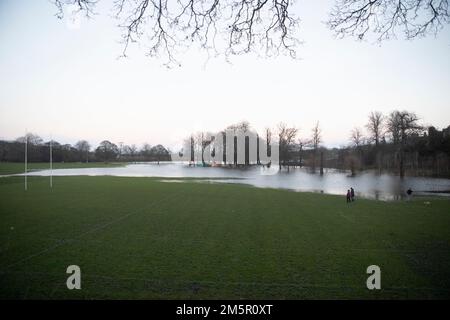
[{"x": 350, "y": 195}]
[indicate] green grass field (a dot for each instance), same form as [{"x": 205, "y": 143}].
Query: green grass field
[
  {"x": 18, "y": 167},
  {"x": 137, "y": 238}
]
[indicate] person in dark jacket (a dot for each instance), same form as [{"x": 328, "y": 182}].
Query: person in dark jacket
[
  {"x": 352, "y": 193},
  {"x": 349, "y": 196},
  {"x": 409, "y": 194}
]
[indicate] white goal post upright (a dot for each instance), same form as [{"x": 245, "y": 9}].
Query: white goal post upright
[
  {"x": 26, "y": 159},
  {"x": 51, "y": 162}
]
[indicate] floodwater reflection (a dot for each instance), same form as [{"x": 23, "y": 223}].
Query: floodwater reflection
[{"x": 366, "y": 184}]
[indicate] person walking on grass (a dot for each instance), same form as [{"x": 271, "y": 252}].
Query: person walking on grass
[
  {"x": 409, "y": 194},
  {"x": 352, "y": 193},
  {"x": 349, "y": 196}
]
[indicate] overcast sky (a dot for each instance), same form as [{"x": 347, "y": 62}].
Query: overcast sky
[{"x": 70, "y": 83}]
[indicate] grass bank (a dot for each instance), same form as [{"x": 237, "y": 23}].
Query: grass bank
[
  {"x": 142, "y": 238},
  {"x": 18, "y": 167}
]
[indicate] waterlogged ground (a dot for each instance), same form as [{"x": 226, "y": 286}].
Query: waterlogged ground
[{"x": 368, "y": 185}]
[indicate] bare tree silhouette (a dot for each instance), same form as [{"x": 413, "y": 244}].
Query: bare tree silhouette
[
  {"x": 416, "y": 18},
  {"x": 286, "y": 139},
  {"x": 316, "y": 140},
  {"x": 83, "y": 148},
  {"x": 402, "y": 125},
  {"x": 375, "y": 126},
  {"x": 356, "y": 137},
  {"x": 169, "y": 27},
  {"x": 268, "y": 27}
]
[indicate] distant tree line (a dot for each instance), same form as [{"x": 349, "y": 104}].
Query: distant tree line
[
  {"x": 39, "y": 151},
  {"x": 394, "y": 143},
  {"x": 397, "y": 143},
  {"x": 291, "y": 148}
]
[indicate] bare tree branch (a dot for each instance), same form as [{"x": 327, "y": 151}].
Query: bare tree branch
[
  {"x": 86, "y": 6},
  {"x": 356, "y": 137},
  {"x": 416, "y": 18},
  {"x": 168, "y": 27},
  {"x": 268, "y": 27},
  {"x": 375, "y": 126}
]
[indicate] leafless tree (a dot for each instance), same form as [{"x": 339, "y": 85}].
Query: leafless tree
[
  {"x": 106, "y": 151},
  {"x": 31, "y": 138},
  {"x": 228, "y": 27},
  {"x": 416, "y": 18},
  {"x": 352, "y": 162},
  {"x": 402, "y": 125},
  {"x": 268, "y": 27},
  {"x": 356, "y": 137},
  {"x": 316, "y": 139},
  {"x": 375, "y": 126},
  {"x": 189, "y": 148},
  {"x": 130, "y": 150},
  {"x": 201, "y": 141},
  {"x": 78, "y": 6},
  {"x": 302, "y": 143},
  {"x": 120, "y": 145},
  {"x": 83, "y": 147},
  {"x": 146, "y": 151},
  {"x": 244, "y": 126},
  {"x": 357, "y": 140},
  {"x": 286, "y": 137}
]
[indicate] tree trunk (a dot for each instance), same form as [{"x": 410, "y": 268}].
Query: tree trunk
[
  {"x": 314, "y": 162},
  {"x": 401, "y": 165},
  {"x": 300, "y": 157},
  {"x": 321, "y": 163},
  {"x": 258, "y": 161},
  {"x": 379, "y": 157}
]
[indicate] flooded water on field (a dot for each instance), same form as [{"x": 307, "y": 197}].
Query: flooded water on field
[{"x": 368, "y": 185}]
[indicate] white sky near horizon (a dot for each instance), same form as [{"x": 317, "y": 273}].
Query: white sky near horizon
[{"x": 70, "y": 83}]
